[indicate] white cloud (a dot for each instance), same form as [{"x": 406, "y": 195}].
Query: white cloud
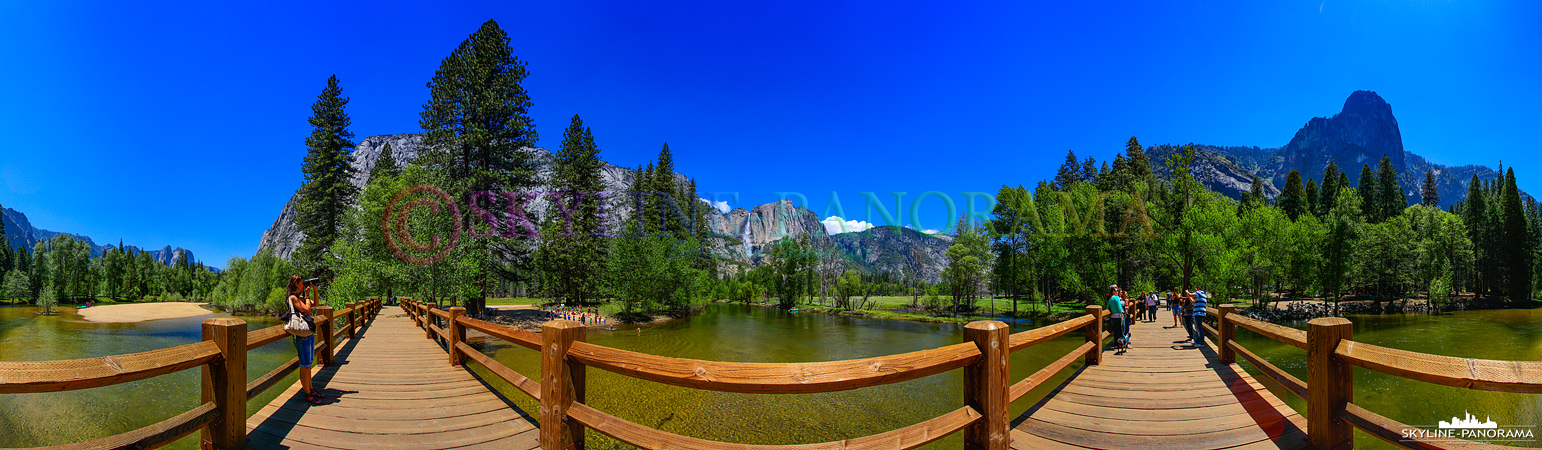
[
  {"x": 930, "y": 231},
  {"x": 720, "y": 206},
  {"x": 836, "y": 225}
]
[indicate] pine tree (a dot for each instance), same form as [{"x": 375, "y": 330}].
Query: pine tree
[
  {"x": 386, "y": 165},
  {"x": 1330, "y": 189},
  {"x": 1293, "y": 200},
  {"x": 1140, "y": 164},
  {"x": 1369, "y": 195},
  {"x": 1475, "y": 214},
  {"x": 1429, "y": 193},
  {"x": 1070, "y": 172},
  {"x": 1389, "y": 192},
  {"x": 325, "y": 196},
  {"x": 476, "y": 125},
  {"x": 668, "y": 201},
  {"x": 1311, "y": 196},
  {"x": 1518, "y": 242},
  {"x": 1089, "y": 169},
  {"x": 572, "y": 252},
  {"x": 1254, "y": 198}
]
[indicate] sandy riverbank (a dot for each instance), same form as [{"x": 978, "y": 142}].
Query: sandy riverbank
[{"x": 140, "y": 312}]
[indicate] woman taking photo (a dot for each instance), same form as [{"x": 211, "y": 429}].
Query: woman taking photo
[{"x": 305, "y": 346}]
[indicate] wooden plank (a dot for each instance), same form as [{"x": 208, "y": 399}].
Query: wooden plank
[
  {"x": 1027, "y": 441},
  {"x": 1035, "y": 336},
  {"x": 449, "y": 439},
  {"x": 1294, "y": 337},
  {"x": 776, "y": 378},
  {"x": 1391, "y": 431},
  {"x": 1470, "y": 373},
  {"x": 520, "y": 337},
  {"x": 1032, "y": 381},
  {"x": 265, "y": 336},
  {"x": 1171, "y": 428},
  {"x": 905, "y": 438},
  {"x": 1197, "y": 441},
  {"x": 1291, "y": 383},
  {"x": 257, "y": 386},
  {"x": 526, "y": 385},
  {"x": 1163, "y": 415},
  {"x": 17, "y": 377},
  {"x": 987, "y": 387}
]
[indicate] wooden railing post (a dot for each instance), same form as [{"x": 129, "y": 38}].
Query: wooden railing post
[
  {"x": 1228, "y": 329},
  {"x": 562, "y": 383},
  {"x": 428, "y": 321},
  {"x": 324, "y": 331},
  {"x": 1331, "y": 384},
  {"x": 351, "y": 307},
  {"x": 1094, "y": 333},
  {"x": 224, "y": 383},
  {"x": 457, "y": 335},
  {"x": 986, "y": 384}
]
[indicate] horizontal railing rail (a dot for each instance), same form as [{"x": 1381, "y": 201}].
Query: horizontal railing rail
[
  {"x": 1329, "y": 389},
  {"x": 565, "y": 356},
  {"x": 222, "y": 356}
]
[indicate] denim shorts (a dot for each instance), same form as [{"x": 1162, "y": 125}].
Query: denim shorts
[{"x": 306, "y": 348}]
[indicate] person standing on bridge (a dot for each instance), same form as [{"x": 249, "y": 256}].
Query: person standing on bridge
[
  {"x": 1116, "y": 318},
  {"x": 305, "y": 347},
  {"x": 1200, "y": 297},
  {"x": 1172, "y": 304},
  {"x": 1186, "y": 300}
]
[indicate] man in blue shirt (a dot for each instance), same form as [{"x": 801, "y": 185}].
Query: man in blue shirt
[
  {"x": 1200, "y": 298},
  {"x": 1116, "y": 318}
]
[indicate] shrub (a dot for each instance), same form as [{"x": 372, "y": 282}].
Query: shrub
[
  {"x": 47, "y": 300},
  {"x": 275, "y": 302}
]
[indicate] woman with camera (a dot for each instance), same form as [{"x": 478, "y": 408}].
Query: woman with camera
[{"x": 304, "y": 346}]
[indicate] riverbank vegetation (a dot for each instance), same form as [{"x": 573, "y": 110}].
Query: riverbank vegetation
[{"x": 61, "y": 270}]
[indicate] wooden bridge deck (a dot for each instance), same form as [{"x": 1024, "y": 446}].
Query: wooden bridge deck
[
  {"x": 392, "y": 388},
  {"x": 1162, "y": 393}
]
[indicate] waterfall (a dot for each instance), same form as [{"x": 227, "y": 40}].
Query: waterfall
[{"x": 745, "y": 236}]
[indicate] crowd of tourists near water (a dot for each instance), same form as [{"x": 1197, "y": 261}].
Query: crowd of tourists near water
[
  {"x": 1187, "y": 307},
  {"x": 586, "y": 316}
]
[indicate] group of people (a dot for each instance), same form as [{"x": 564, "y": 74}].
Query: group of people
[
  {"x": 586, "y": 316},
  {"x": 1188, "y": 308}
]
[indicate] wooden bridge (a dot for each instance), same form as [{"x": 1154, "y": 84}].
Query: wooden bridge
[{"x": 401, "y": 384}]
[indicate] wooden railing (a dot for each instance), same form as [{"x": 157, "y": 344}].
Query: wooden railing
[
  {"x": 222, "y": 356},
  {"x": 565, "y": 357},
  {"x": 1329, "y": 389}
]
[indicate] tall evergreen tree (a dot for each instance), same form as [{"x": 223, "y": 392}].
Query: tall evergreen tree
[
  {"x": 572, "y": 252},
  {"x": 1293, "y": 199},
  {"x": 1369, "y": 195},
  {"x": 1389, "y": 193},
  {"x": 1428, "y": 192},
  {"x": 1089, "y": 169},
  {"x": 1140, "y": 164},
  {"x": 324, "y": 197},
  {"x": 475, "y": 125},
  {"x": 1254, "y": 198},
  {"x": 1518, "y": 243},
  {"x": 1070, "y": 172},
  {"x": 1311, "y": 196},
  {"x": 1330, "y": 189},
  {"x": 386, "y": 165},
  {"x": 1475, "y": 213}
]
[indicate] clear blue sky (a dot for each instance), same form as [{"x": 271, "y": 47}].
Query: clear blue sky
[{"x": 183, "y": 124}]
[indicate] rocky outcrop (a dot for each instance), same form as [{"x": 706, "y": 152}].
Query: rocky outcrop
[
  {"x": 283, "y": 237},
  {"x": 19, "y": 232},
  {"x": 1360, "y": 134},
  {"x": 752, "y": 230},
  {"x": 888, "y": 249}
]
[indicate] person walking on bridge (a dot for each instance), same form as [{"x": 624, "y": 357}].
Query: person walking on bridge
[
  {"x": 1151, "y": 307},
  {"x": 1116, "y": 317}
]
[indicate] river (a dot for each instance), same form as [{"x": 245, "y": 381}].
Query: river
[{"x": 746, "y": 334}]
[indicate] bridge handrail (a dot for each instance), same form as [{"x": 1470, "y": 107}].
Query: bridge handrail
[
  {"x": 564, "y": 351},
  {"x": 776, "y": 378},
  {"x": 1329, "y": 392},
  {"x": 223, "y": 409}
]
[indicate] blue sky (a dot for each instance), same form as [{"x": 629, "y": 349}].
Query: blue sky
[{"x": 183, "y": 123}]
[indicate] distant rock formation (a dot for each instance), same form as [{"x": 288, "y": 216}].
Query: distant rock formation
[
  {"x": 1360, "y": 134},
  {"x": 887, "y": 249},
  {"x": 19, "y": 232}
]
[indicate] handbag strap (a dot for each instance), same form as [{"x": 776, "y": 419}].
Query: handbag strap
[{"x": 291, "y": 304}]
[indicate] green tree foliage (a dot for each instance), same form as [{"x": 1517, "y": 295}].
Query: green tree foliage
[
  {"x": 1389, "y": 196},
  {"x": 1070, "y": 171},
  {"x": 1011, "y": 232},
  {"x": 1311, "y": 196},
  {"x": 1330, "y": 190},
  {"x": 968, "y": 259},
  {"x": 1293, "y": 199},
  {"x": 572, "y": 252},
  {"x": 475, "y": 125},
  {"x": 327, "y": 191},
  {"x": 1428, "y": 192},
  {"x": 1370, "y": 195},
  {"x": 1519, "y": 242},
  {"x": 792, "y": 260}
]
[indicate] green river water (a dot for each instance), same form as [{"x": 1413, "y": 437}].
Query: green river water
[{"x": 746, "y": 334}]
